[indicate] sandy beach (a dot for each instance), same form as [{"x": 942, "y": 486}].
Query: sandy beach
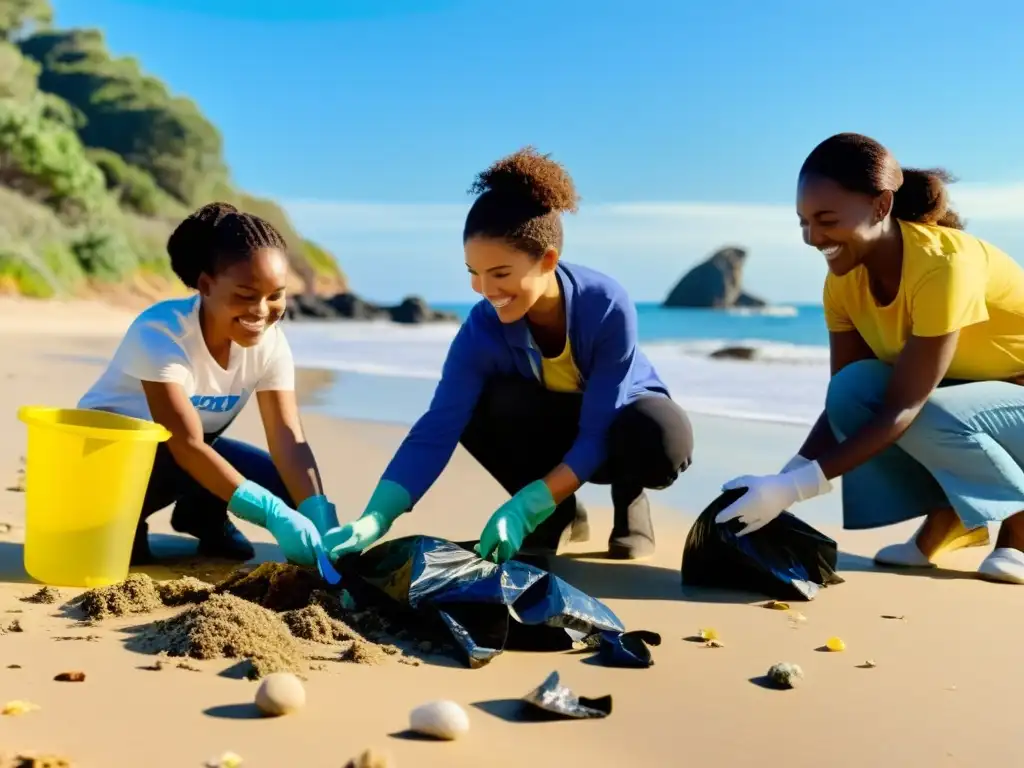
[{"x": 940, "y": 693}]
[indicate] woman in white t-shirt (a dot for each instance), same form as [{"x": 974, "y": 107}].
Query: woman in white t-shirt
[{"x": 191, "y": 364}]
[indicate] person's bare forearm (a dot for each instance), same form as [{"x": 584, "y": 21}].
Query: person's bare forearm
[
  {"x": 820, "y": 439},
  {"x": 295, "y": 461},
  {"x": 206, "y": 467}
]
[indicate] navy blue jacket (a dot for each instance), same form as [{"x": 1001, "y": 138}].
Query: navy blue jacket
[{"x": 602, "y": 328}]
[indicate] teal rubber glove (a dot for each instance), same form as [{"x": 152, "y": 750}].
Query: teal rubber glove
[
  {"x": 388, "y": 502},
  {"x": 319, "y": 511},
  {"x": 295, "y": 534},
  {"x": 516, "y": 519}
]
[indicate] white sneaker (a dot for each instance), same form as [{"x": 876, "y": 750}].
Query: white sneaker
[
  {"x": 1004, "y": 564},
  {"x": 905, "y": 554}
]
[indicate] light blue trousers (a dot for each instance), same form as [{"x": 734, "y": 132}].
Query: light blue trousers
[{"x": 965, "y": 450}]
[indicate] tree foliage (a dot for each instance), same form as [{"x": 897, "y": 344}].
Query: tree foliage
[{"x": 99, "y": 161}]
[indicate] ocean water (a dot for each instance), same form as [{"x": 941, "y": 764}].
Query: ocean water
[{"x": 392, "y": 369}]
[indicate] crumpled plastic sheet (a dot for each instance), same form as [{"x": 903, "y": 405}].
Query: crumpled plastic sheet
[
  {"x": 555, "y": 699},
  {"x": 486, "y": 607},
  {"x": 786, "y": 559}
]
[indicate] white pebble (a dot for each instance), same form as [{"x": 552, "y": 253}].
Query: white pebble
[
  {"x": 280, "y": 693},
  {"x": 440, "y": 719}
]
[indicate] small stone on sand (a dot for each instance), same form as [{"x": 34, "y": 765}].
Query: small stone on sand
[
  {"x": 280, "y": 693},
  {"x": 440, "y": 719},
  {"x": 785, "y": 674},
  {"x": 70, "y": 677}
]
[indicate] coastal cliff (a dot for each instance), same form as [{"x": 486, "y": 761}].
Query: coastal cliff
[{"x": 98, "y": 163}]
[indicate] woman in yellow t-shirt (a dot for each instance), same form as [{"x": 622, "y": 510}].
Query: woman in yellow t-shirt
[{"x": 924, "y": 414}]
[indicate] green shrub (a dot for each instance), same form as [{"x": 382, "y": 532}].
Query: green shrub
[
  {"x": 27, "y": 277},
  {"x": 46, "y": 161},
  {"x": 104, "y": 254}
]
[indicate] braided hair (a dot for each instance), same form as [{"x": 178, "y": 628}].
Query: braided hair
[
  {"x": 521, "y": 198},
  {"x": 216, "y": 235}
]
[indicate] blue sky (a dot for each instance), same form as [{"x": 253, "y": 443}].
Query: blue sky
[{"x": 683, "y": 124}]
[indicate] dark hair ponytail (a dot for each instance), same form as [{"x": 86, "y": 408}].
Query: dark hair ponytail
[
  {"x": 923, "y": 198},
  {"x": 861, "y": 164}
]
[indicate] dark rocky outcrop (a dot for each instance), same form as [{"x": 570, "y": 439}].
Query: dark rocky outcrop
[
  {"x": 349, "y": 306},
  {"x": 716, "y": 283}
]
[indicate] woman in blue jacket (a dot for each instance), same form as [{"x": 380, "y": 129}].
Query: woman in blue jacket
[{"x": 544, "y": 385}]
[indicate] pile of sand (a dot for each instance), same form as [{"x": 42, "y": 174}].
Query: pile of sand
[
  {"x": 263, "y": 615},
  {"x": 225, "y": 626},
  {"x": 45, "y": 596}
]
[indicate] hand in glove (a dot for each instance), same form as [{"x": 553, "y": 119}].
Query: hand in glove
[
  {"x": 296, "y": 535},
  {"x": 388, "y": 503},
  {"x": 768, "y": 496},
  {"x": 319, "y": 511},
  {"x": 514, "y": 520}
]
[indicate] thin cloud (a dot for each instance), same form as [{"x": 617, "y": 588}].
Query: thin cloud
[{"x": 390, "y": 249}]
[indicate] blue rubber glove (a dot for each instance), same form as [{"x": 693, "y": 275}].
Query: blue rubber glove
[
  {"x": 516, "y": 519},
  {"x": 295, "y": 534},
  {"x": 388, "y": 502},
  {"x": 319, "y": 511}
]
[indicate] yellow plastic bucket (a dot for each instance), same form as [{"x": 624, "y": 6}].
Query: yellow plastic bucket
[{"x": 86, "y": 474}]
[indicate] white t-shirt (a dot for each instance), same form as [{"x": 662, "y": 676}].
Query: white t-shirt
[{"x": 165, "y": 343}]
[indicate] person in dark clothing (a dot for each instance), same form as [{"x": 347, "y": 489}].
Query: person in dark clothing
[{"x": 544, "y": 384}]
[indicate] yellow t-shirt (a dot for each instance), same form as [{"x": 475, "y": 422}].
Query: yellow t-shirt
[
  {"x": 560, "y": 373},
  {"x": 951, "y": 281}
]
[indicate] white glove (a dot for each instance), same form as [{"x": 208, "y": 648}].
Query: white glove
[
  {"x": 794, "y": 463},
  {"x": 768, "y": 496}
]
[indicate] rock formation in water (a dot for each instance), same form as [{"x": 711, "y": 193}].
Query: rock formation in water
[
  {"x": 716, "y": 283},
  {"x": 349, "y": 306}
]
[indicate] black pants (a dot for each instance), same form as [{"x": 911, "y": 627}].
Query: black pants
[
  {"x": 196, "y": 510},
  {"x": 520, "y": 431}
]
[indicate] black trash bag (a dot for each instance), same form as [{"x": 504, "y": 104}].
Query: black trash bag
[
  {"x": 628, "y": 649},
  {"x": 555, "y": 700},
  {"x": 485, "y": 607},
  {"x": 786, "y": 559}
]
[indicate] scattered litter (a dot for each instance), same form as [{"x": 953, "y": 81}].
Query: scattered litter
[
  {"x": 280, "y": 693},
  {"x": 869, "y": 664},
  {"x": 70, "y": 677},
  {"x": 707, "y": 634},
  {"x": 227, "y": 760},
  {"x": 86, "y": 638},
  {"x": 555, "y": 699},
  {"x": 714, "y": 644},
  {"x": 628, "y": 649},
  {"x": 14, "y": 626},
  {"x": 370, "y": 758},
  {"x": 835, "y": 644},
  {"x": 777, "y": 605},
  {"x": 785, "y": 675},
  {"x": 894, "y": 617},
  {"x": 45, "y": 596},
  {"x": 440, "y": 719},
  {"x": 18, "y": 707},
  {"x": 19, "y": 480}
]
